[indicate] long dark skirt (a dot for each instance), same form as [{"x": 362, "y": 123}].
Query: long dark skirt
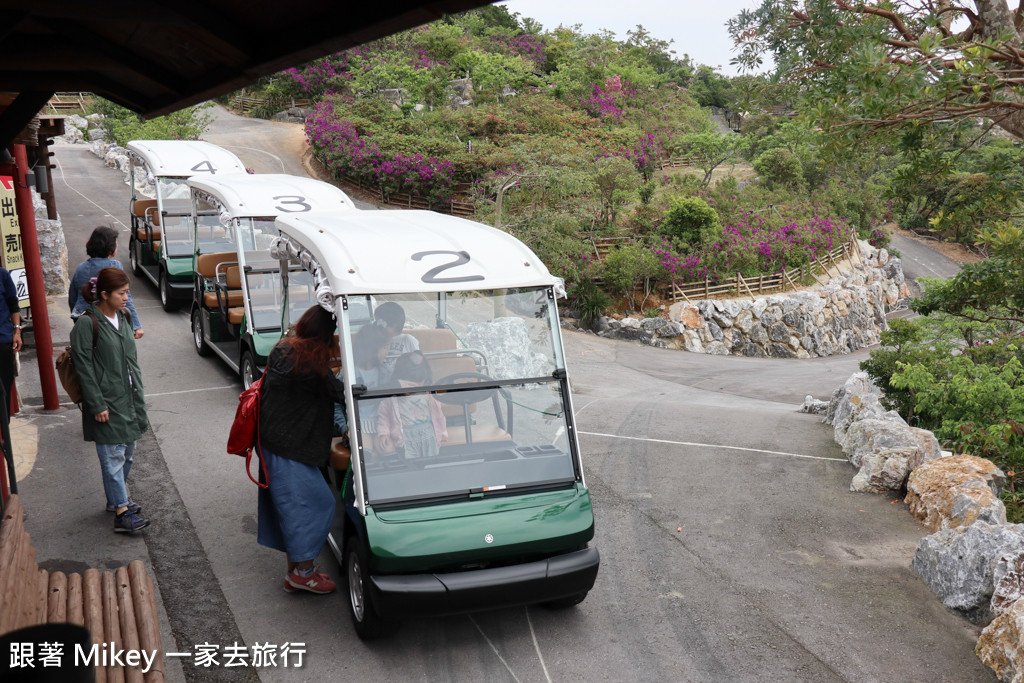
[{"x": 296, "y": 512}]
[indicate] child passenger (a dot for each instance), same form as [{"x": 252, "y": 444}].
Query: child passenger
[
  {"x": 416, "y": 422},
  {"x": 391, "y": 317}
]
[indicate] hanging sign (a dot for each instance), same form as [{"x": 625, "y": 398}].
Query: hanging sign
[{"x": 10, "y": 232}]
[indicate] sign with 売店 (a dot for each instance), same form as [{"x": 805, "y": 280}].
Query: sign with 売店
[{"x": 10, "y": 232}]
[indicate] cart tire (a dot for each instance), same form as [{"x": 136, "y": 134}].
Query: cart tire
[
  {"x": 133, "y": 256},
  {"x": 565, "y": 603},
  {"x": 167, "y": 302},
  {"x": 198, "y": 338},
  {"x": 367, "y": 623},
  {"x": 247, "y": 369}
]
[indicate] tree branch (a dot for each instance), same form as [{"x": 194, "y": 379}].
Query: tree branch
[{"x": 884, "y": 13}]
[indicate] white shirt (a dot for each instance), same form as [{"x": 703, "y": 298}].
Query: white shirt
[{"x": 399, "y": 345}]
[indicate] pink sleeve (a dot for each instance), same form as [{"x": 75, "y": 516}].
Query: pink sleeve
[
  {"x": 437, "y": 417},
  {"x": 388, "y": 422}
]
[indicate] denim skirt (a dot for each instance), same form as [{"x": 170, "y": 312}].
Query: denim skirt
[{"x": 296, "y": 512}]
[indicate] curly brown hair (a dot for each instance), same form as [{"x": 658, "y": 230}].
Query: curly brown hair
[{"x": 311, "y": 340}]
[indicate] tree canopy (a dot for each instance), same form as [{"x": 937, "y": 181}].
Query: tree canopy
[{"x": 877, "y": 65}]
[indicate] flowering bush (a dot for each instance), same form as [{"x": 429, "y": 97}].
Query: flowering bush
[
  {"x": 752, "y": 247},
  {"x": 319, "y": 76},
  {"x": 344, "y": 150}
]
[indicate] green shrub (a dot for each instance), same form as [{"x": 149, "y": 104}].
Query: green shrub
[
  {"x": 123, "y": 125},
  {"x": 779, "y": 167},
  {"x": 691, "y": 221},
  {"x": 628, "y": 268}
]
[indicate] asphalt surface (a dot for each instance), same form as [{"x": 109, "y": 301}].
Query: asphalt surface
[{"x": 732, "y": 548}]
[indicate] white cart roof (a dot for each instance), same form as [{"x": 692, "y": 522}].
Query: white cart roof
[
  {"x": 184, "y": 158},
  {"x": 378, "y": 252},
  {"x": 269, "y": 194}
]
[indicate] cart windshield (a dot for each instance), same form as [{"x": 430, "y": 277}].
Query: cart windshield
[
  {"x": 176, "y": 216},
  {"x": 467, "y": 398},
  {"x": 267, "y": 294}
]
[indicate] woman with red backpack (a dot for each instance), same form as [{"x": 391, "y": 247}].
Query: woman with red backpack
[{"x": 296, "y": 510}]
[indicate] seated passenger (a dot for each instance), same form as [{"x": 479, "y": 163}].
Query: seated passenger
[
  {"x": 369, "y": 346},
  {"x": 391, "y": 317},
  {"x": 414, "y": 423}
]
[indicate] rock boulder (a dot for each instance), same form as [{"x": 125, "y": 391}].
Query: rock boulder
[
  {"x": 1007, "y": 582},
  {"x": 1001, "y": 646},
  {"x": 882, "y": 471},
  {"x": 958, "y": 564},
  {"x": 954, "y": 491}
]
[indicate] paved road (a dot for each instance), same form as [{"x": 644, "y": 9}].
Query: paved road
[
  {"x": 920, "y": 260},
  {"x": 264, "y": 146},
  {"x": 732, "y": 549}
]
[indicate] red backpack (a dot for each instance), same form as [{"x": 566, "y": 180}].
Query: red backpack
[{"x": 245, "y": 430}]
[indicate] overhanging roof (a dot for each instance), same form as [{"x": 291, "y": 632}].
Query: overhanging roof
[{"x": 156, "y": 57}]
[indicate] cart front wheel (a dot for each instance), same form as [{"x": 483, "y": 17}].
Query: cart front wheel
[
  {"x": 198, "y": 337},
  {"x": 367, "y": 623},
  {"x": 247, "y": 369},
  {"x": 166, "y": 300},
  {"x": 133, "y": 256}
]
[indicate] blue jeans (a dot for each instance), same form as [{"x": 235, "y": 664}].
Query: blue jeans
[{"x": 115, "y": 464}]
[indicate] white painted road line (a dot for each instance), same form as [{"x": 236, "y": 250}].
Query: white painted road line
[
  {"x": 73, "y": 189},
  {"x": 712, "y": 445}
]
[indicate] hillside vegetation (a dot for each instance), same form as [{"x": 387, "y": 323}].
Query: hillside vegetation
[{"x": 560, "y": 137}]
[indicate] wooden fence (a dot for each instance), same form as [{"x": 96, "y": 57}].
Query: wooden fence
[
  {"x": 678, "y": 162},
  {"x": 67, "y": 101},
  {"x": 603, "y": 245},
  {"x": 763, "y": 284},
  {"x": 246, "y": 104},
  {"x": 456, "y": 208}
]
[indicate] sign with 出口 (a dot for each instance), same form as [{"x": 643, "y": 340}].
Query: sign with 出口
[{"x": 10, "y": 233}]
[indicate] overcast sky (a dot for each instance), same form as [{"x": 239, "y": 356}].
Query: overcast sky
[{"x": 697, "y": 27}]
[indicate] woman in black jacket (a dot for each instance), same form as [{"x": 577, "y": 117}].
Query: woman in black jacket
[{"x": 296, "y": 418}]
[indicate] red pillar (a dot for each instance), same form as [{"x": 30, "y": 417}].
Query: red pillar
[{"x": 36, "y": 287}]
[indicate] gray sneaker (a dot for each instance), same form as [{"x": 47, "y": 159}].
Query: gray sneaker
[{"x": 128, "y": 523}]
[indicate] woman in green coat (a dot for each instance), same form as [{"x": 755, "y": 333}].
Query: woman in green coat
[{"x": 113, "y": 403}]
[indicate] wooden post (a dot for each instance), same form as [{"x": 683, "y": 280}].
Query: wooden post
[
  {"x": 785, "y": 274},
  {"x": 748, "y": 287},
  {"x": 706, "y": 283}
]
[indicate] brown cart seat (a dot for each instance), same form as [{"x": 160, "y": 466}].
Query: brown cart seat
[
  {"x": 481, "y": 433},
  {"x": 341, "y": 456},
  {"x": 437, "y": 341}
]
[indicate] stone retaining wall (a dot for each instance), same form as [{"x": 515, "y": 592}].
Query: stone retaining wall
[
  {"x": 972, "y": 559},
  {"x": 845, "y": 314}
]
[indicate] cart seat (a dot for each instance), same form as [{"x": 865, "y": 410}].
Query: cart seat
[
  {"x": 146, "y": 209},
  {"x": 140, "y": 234},
  {"x": 139, "y": 206},
  {"x": 438, "y": 347},
  {"x": 206, "y": 264},
  {"x": 233, "y": 283},
  {"x": 235, "y": 313},
  {"x": 341, "y": 456},
  {"x": 234, "y": 298},
  {"x": 480, "y": 433}
]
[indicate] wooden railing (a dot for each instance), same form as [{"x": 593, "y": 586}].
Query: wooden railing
[
  {"x": 765, "y": 284},
  {"x": 67, "y": 101},
  {"x": 678, "y": 162},
  {"x": 603, "y": 245},
  {"x": 246, "y": 104},
  {"x": 456, "y": 208}
]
